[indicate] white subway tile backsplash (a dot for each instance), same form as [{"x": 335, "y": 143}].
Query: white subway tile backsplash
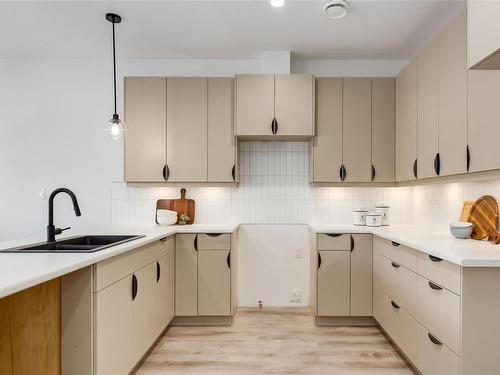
[{"x": 274, "y": 188}]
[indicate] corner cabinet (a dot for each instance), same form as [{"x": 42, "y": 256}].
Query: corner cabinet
[
  {"x": 275, "y": 105},
  {"x": 341, "y": 275},
  {"x": 180, "y": 129}
]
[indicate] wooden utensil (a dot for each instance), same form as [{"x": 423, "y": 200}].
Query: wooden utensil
[
  {"x": 464, "y": 216},
  {"x": 484, "y": 216},
  {"x": 181, "y": 206}
]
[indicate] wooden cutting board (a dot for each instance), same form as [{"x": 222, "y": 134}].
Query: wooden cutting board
[
  {"x": 181, "y": 206},
  {"x": 484, "y": 215}
]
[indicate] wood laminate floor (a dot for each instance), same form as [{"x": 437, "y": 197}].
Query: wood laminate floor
[{"x": 274, "y": 341}]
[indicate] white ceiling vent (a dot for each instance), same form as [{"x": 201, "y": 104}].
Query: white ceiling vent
[{"x": 336, "y": 9}]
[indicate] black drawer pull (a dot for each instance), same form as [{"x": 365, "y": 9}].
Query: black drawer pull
[
  {"x": 395, "y": 305},
  {"x": 352, "y": 243},
  {"x": 166, "y": 172},
  {"x": 233, "y": 172},
  {"x": 135, "y": 287},
  {"x": 468, "y": 158},
  {"x": 437, "y": 164},
  {"x": 214, "y": 234},
  {"x": 434, "y": 340},
  {"x": 158, "y": 271},
  {"x": 395, "y": 265},
  {"x": 319, "y": 260},
  {"x": 374, "y": 173},
  {"x": 163, "y": 239},
  {"x": 228, "y": 260},
  {"x": 395, "y": 244},
  {"x": 434, "y": 286},
  {"x": 334, "y": 234},
  {"x": 196, "y": 242},
  {"x": 415, "y": 168},
  {"x": 434, "y": 259}
]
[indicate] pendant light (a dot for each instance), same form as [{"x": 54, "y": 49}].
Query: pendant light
[{"x": 114, "y": 127}]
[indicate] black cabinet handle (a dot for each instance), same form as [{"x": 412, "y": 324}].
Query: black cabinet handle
[
  {"x": 395, "y": 244},
  {"x": 135, "y": 287},
  {"x": 319, "y": 260},
  {"x": 437, "y": 164},
  {"x": 373, "y": 172},
  {"x": 214, "y": 234},
  {"x": 196, "y": 242},
  {"x": 274, "y": 126},
  {"x": 415, "y": 168},
  {"x": 228, "y": 260},
  {"x": 233, "y": 172},
  {"x": 343, "y": 173},
  {"x": 468, "y": 158},
  {"x": 352, "y": 243},
  {"x": 434, "y": 340},
  {"x": 334, "y": 234},
  {"x": 166, "y": 172},
  {"x": 158, "y": 271},
  {"x": 434, "y": 286},
  {"x": 434, "y": 259},
  {"x": 395, "y": 305},
  {"x": 395, "y": 265},
  {"x": 163, "y": 239}
]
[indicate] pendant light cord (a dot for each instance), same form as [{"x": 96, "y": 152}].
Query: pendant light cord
[{"x": 114, "y": 66}]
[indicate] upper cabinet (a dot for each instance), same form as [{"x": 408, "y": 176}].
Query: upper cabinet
[
  {"x": 406, "y": 123},
  {"x": 180, "y": 129},
  {"x": 281, "y": 105},
  {"x": 483, "y": 29}
]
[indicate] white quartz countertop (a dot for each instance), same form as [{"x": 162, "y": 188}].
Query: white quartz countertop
[
  {"x": 434, "y": 241},
  {"x": 19, "y": 271}
]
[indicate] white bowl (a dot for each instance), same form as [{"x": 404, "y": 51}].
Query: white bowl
[
  {"x": 166, "y": 217},
  {"x": 461, "y": 230}
]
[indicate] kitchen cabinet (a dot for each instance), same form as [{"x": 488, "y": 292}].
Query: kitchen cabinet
[
  {"x": 383, "y": 129},
  {"x": 482, "y": 29},
  {"x": 326, "y": 146},
  {"x": 186, "y": 275},
  {"x": 164, "y": 311},
  {"x": 356, "y": 129},
  {"x": 341, "y": 276},
  {"x": 145, "y": 119},
  {"x": 483, "y": 120},
  {"x": 186, "y": 129},
  {"x": 221, "y": 139},
  {"x": 214, "y": 285},
  {"x": 406, "y": 123},
  {"x": 268, "y": 105},
  {"x": 428, "y": 109}
]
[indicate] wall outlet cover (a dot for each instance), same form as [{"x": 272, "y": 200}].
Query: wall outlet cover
[{"x": 295, "y": 295}]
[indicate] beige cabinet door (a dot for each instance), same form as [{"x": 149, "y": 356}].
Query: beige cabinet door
[
  {"x": 186, "y": 275},
  {"x": 164, "y": 294},
  {"x": 453, "y": 97},
  {"x": 187, "y": 129},
  {"x": 383, "y": 129},
  {"x": 143, "y": 311},
  {"x": 145, "y": 121},
  {"x": 482, "y": 29},
  {"x": 326, "y": 147},
  {"x": 406, "y": 123},
  {"x": 254, "y": 104},
  {"x": 357, "y": 100},
  {"x": 221, "y": 139},
  {"x": 214, "y": 283},
  {"x": 334, "y": 283},
  {"x": 484, "y": 120},
  {"x": 361, "y": 275},
  {"x": 114, "y": 329},
  {"x": 428, "y": 109},
  {"x": 294, "y": 104}
]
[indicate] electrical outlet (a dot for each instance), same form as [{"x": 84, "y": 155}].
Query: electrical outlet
[
  {"x": 298, "y": 253},
  {"x": 294, "y": 295}
]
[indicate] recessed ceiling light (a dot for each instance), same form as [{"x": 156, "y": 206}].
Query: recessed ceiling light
[
  {"x": 336, "y": 9},
  {"x": 277, "y": 3}
]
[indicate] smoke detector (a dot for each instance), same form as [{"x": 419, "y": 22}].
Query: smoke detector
[{"x": 336, "y": 9}]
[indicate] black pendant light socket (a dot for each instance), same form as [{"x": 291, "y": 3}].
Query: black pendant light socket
[{"x": 113, "y": 18}]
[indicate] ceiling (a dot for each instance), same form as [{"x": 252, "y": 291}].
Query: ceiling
[{"x": 373, "y": 29}]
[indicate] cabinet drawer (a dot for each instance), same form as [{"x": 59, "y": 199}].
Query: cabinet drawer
[
  {"x": 401, "y": 254},
  {"x": 214, "y": 241},
  {"x": 440, "y": 271},
  {"x": 113, "y": 269},
  {"x": 397, "y": 282},
  {"x": 397, "y": 323},
  {"x": 439, "y": 311},
  {"x": 434, "y": 357},
  {"x": 335, "y": 241}
]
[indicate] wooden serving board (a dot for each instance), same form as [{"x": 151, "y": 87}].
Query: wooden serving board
[
  {"x": 484, "y": 215},
  {"x": 181, "y": 206}
]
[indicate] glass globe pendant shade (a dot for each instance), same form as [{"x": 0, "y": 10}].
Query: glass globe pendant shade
[{"x": 115, "y": 128}]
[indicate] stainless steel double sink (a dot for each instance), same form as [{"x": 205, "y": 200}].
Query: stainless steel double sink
[{"x": 82, "y": 244}]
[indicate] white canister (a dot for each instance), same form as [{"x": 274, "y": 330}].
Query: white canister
[
  {"x": 359, "y": 216},
  {"x": 383, "y": 209},
  {"x": 373, "y": 219}
]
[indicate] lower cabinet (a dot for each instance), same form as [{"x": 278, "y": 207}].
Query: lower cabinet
[
  {"x": 203, "y": 275},
  {"x": 343, "y": 275},
  {"x": 134, "y": 310}
]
